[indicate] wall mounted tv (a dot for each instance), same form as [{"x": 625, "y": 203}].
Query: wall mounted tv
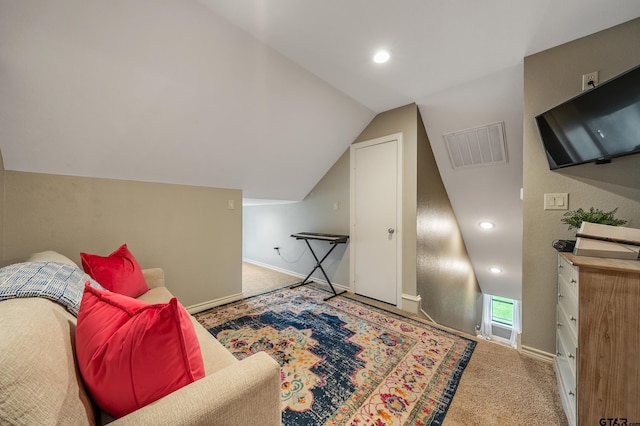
[{"x": 600, "y": 124}]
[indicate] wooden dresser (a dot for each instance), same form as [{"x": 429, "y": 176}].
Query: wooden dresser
[{"x": 598, "y": 339}]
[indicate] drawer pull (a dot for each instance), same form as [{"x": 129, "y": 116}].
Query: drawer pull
[
  {"x": 573, "y": 318},
  {"x": 572, "y": 393},
  {"x": 571, "y": 355},
  {"x": 559, "y": 324},
  {"x": 573, "y": 281},
  {"x": 559, "y": 353},
  {"x": 560, "y": 295}
]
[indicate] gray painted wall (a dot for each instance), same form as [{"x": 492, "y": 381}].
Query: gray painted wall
[
  {"x": 186, "y": 230},
  {"x": 2, "y": 205},
  {"x": 550, "y": 78}
]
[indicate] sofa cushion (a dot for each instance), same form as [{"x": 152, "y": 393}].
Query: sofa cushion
[
  {"x": 39, "y": 382},
  {"x": 51, "y": 256},
  {"x": 118, "y": 272},
  {"x": 131, "y": 353}
]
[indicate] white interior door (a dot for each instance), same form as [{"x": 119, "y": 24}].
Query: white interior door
[{"x": 375, "y": 185}]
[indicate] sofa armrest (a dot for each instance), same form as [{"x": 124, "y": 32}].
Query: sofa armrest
[
  {"x": 154, "y": 277},
  {"x": 245, "y": 393}
]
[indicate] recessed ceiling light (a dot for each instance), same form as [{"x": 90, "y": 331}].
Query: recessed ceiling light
[
  {"x": 381, "y": 57},
  {"x": 495, "y": 269},
  {"x": 486, "y": 225}
]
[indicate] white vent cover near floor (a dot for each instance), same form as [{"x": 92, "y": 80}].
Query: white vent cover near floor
[{"x": 477, "y": 147}]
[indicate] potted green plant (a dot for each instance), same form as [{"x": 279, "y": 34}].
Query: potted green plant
[{"x": 574, "y": 218}]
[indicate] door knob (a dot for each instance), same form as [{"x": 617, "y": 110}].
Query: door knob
[{"x": 391, "y": 230}]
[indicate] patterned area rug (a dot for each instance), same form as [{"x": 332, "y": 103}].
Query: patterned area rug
[{"x": 344, "y": 362}]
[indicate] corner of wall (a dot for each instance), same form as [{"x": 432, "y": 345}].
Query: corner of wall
[{"x": 2, "y": 208}]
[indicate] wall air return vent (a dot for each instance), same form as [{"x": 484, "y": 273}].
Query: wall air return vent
[{"x": 482, "y": 146}]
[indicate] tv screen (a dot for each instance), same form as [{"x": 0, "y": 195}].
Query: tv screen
[{"x": 595, "y": 126}]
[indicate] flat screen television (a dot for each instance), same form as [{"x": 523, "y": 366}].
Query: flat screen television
[{"x": 599, "y": 124}]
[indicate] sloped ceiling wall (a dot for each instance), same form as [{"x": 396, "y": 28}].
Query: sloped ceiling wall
[
  {"x": 163, "y": 91},
  {"x": 489, "y": 192}
]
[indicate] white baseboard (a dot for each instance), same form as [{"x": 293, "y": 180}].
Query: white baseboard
[
  {"x": 411, "y": 303},
  {"x": 194, "y": 309},
  {"x": 273, "y": 268},
  {"x": 536, "y": 354},
  {"x": 501, "y": 340},
  {"x": 428, "y": 316},
  {"x": 298, "y": 275}
]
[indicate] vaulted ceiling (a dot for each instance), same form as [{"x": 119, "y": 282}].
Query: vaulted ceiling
[
  {"x": 265, "y": 96},
  {"x": 163, "y": 91}
]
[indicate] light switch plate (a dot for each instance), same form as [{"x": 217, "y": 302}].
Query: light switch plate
[{"x": 556, "y": 201}]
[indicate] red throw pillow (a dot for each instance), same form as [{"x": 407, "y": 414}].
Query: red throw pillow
[
  {"x": 119, "y": 272},
  {"x": 131, "y": 353}
]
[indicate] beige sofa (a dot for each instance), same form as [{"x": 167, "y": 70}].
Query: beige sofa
[{"x": 40, "y": 383}]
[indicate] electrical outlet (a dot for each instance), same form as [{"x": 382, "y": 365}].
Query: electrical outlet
[{"x": 588, "y": 78}]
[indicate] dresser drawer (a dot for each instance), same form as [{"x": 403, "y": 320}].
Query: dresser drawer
[
  {"x": 568, "y": 302},
  {"x": 566, "y": 325},
  {"x": 567, "y": 387},
  {"x": 568, "y": 274},
  {"x": 566, "y": 350}
]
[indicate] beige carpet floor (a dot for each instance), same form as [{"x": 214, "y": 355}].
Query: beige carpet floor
[
  {"x": 499, "y": 386},
  {"x": 256, "y": 279}
]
